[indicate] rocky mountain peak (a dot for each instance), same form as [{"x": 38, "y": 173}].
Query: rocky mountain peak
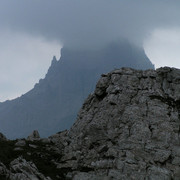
[{"x": 52, "y": 105}]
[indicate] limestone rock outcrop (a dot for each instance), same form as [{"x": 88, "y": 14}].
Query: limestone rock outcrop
[{"x": 128, "y": 129}]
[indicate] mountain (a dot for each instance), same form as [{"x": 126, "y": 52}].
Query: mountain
[
  {"x": 129, "y": 128},
  {"x": 53, "y": 103}
]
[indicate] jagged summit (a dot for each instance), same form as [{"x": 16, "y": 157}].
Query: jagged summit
[
  {"x": 54, "y": 61},
  {"x": 54, "y": 58},
  {"x": 127, "y": 129}
]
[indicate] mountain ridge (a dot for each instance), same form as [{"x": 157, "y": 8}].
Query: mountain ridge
[{"x": 52, "y": 105}]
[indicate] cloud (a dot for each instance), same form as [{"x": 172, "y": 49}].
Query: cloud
[
  {"x": 89, "y": 23},
  {"x": 163, "y": 47}
]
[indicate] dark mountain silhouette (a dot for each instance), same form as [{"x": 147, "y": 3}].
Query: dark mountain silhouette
[{"x": 53, "y": 103}]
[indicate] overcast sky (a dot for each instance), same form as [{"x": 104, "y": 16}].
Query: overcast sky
[{"x": 31, "y": 32}]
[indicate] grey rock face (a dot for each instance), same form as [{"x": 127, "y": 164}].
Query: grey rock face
[
  {"x": 25, "y": 170},
  {"x": 129, "y": 128},
  {"x": 20, "y": 169}
]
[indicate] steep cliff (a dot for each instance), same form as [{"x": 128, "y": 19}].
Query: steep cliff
[
  {"x": 52, "y": 105},
  {"x": 129, "y": 128}
]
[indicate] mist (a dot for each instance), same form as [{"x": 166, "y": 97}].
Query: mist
[{"x": 89, "y": 23}]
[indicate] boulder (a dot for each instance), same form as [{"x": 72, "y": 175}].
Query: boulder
[
  {"x": 22, "y": 169},
  {"x": 34, "y": 136},
  {"x": 20, "y": 143},
  {"x": 129, "y": 128}
]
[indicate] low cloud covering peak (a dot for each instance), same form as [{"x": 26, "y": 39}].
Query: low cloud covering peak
[{"x": 89, "y": 23}]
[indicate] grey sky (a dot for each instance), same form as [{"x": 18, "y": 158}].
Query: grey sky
[
  {"x": 89, "y": 22},
  {"x": 78, "y": 24},
  {"x": 163, "y": 47}
]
